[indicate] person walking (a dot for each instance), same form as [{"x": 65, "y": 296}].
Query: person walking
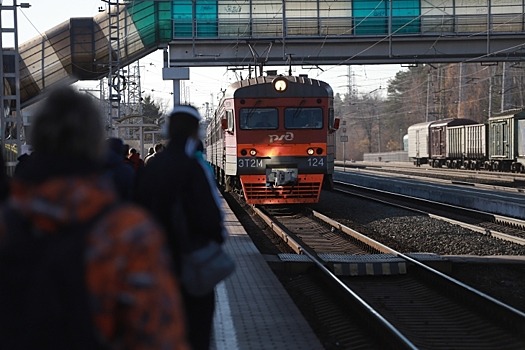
[
  {"x": 78, "y": 268},
  {"x": 157, "y": 149},
  {"x": 136, "y": 161},
  {"x": 120, "y": 171},
  {"x": 151, "y": 150},
  {"x": 175, "y": 174}
]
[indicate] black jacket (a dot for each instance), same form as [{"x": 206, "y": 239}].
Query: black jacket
[
  {"x": 121, "y": 173},
  {"x": 170, "y": 176}
]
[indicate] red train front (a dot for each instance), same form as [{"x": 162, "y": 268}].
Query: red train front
[{"x": 272, "y": 138}]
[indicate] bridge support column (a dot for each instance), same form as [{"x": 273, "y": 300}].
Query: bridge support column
[{"x": 176, "y": 74}]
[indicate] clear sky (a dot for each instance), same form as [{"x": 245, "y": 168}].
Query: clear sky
[{"x": 205, "y": 83}]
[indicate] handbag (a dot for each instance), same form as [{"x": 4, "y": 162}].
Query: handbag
[
  {"x": 201, "y": 268},
  {"x": 204, "y": 268}
]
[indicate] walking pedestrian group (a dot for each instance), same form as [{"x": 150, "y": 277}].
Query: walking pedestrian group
[{"x": 82, "y": 265}]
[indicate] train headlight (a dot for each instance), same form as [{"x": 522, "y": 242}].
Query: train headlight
[
  {"x": 319, "y": 150},
  {"x": 310, "y": 151},
  {"x": 253, "y": 152},
  {"x": 280, "y": 84},
  {"x": 244, "y": 152}
]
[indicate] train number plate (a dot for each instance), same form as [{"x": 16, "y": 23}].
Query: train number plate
[
  {"x": 316, "y": 161},
  {"x": 250, "y": 163}
]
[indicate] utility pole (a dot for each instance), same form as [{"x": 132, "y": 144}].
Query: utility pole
[
  {"x": 134, "y": 90},
  {"x": 133, "y": 107},
  {"x": 491, "y": 72},
  {"x": 349, "y": 81},
  {"x": 460, "y": 89},
  {"x": 428, "y": 96},
  {"x": 503, "y": 88},
  {"x": 11, "y": 121},
  {"x": 115, "y": 78},
  {"x": 378, "y": 134},
  {"x": 441, "y": 90}
]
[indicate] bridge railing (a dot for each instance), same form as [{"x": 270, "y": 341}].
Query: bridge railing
[
  {"x": 328, "y": 19},
  {"x": 348, "y": 27}
]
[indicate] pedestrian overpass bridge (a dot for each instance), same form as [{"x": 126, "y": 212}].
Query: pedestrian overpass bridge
[
  {"x": 347, "y": 32},
  {"x": 272, "y": 32}
]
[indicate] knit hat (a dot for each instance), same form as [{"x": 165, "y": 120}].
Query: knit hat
[{"x": 183, "y": 118}]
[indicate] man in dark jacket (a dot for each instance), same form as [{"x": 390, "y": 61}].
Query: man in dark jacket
[
  {"x": 156, "y": 150},
  {"x": 120, "y": 171},
  {"x": 175, "y": 174}
]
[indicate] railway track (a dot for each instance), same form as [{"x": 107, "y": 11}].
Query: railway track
[
  {"x": 405, "y": 303},
  {"x": 484, "y": 179},
  {"x": 498, "y": 226}
]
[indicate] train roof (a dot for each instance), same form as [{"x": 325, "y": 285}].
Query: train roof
[
  {"x": 517, "y": 113},
  {"x": 252, "y": 87},
  {"x": 420, "y": 125},
  {"x": 443, "y": 122},
  {"x": 453, "y": 122}
]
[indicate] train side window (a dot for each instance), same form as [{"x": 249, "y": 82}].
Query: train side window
[
  {"x": 333, "y": 121},
  {"x": 229, "y": 119}
]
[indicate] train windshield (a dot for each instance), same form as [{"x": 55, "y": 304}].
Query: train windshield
[
  {"x": 303, "y": 118},
  {"x": 258, "y": 118}
]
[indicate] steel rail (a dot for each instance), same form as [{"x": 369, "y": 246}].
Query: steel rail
[
  {"x": 475, "y": 228},
  {"x": 401, "y": 341}
]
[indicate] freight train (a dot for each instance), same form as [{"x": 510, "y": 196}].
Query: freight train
[
  {"x": 272, "y": 138},
  {"x": 497, "y": 145}
]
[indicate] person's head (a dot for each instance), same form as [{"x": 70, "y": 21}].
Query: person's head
[
  {"x": 183, "y": 123},
  {"x": 159, "y": 147},
  {"x": 151, "y": 150},
  {"x": 116, "y": 145},
  {"x": 69, "y": 124}
]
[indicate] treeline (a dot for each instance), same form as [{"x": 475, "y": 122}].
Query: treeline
[{"x": 375, "y": 123}]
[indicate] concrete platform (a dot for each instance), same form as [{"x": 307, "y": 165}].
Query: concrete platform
[{"x": 253, "y": 310}]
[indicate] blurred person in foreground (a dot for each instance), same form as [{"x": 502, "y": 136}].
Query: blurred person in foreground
[
  {"x": 4, "y": 179},
  {"x": 175, "y": 174},
  {"x": 78, "y": 268}
]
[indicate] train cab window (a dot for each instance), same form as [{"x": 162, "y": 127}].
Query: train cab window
[
  {"x": 258, "y": 118},
  {"x": 303, "y": 118}
]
